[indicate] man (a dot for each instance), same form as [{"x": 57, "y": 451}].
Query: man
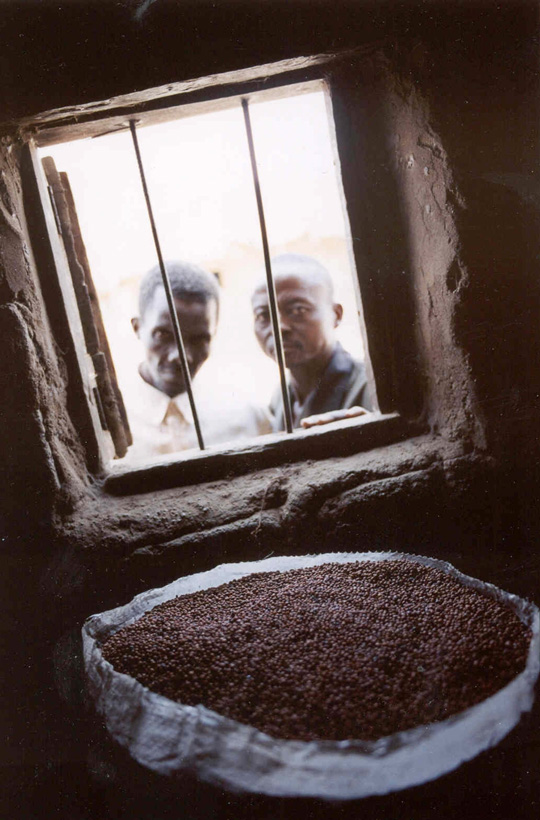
[
  {"x": 326, "y": 383},
  {"x": 159, "y": 411}
]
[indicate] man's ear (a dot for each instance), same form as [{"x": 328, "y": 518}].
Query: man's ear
[
  {"x": 338, "y": 311},
  {"x": 135, "y": 324}
]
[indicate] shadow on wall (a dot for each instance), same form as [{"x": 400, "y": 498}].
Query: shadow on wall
[{"x": 497, "y": 316}]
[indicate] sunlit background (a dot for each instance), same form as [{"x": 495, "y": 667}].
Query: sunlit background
[{"x": 200, "y": 182}]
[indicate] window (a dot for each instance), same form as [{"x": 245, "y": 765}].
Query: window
[{"x": 105, "y": 409}]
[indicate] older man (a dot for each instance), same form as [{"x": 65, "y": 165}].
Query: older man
[
  {"x": 158, "y": 407},
  {"x": 325, "y": 381}
]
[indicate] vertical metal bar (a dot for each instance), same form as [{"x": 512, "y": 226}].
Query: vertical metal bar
[
  {"x": 168, "y": 290},
  {"x": 269, "y": 278}
]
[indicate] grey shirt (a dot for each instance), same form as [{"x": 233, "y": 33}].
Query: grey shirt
[{"x": 342, "y": 385}]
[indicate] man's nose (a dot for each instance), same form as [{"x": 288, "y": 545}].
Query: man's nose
[
  {"x": 173, "y": 356},
  {"x": 284, "y": 323}
]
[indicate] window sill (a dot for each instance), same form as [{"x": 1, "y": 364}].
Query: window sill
[{"x": 341, "y": 438}]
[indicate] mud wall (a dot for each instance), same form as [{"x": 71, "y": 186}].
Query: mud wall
[{"x": 453, "y": 230}]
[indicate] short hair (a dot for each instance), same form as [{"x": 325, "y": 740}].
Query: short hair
[
  {"x": 297, "y": 263},
  {"x": 188, "y": 281}
]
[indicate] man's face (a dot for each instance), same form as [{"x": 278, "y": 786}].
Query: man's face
[
  {"x": 307, "y": 316},
  {"x": 162, "y": 367}
]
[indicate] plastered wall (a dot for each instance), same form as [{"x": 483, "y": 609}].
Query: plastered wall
[{"x": 455, "y": 225}]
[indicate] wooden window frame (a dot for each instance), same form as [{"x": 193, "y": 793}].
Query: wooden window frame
[{"x": 162, "y": 105}]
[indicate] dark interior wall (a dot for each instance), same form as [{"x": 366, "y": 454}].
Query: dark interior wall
[
  {"x": 117, "y": 46},
  {"x": 460, "y": 88},
  {"x": 41, "y": 449}
]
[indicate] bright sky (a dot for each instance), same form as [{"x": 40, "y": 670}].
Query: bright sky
[{"x": 200, "y": 182}]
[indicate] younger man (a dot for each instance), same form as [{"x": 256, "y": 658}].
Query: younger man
[{"x": 324, "y": 378}]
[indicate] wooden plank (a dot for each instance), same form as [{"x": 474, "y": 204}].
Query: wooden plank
[
  {"x": 63, "y": 311},
  {"x": 90, "y": 119},
  {"x": 112, "y": 404},
  {"x": 94, "y": 301},
  {"x": 63, "y": 218},
  {"x": 156, "y": 112}
]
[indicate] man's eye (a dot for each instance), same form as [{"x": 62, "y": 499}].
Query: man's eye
[
  {"x": 262, "y": 317},
  {"x": 299, "y": 311},
  {"x": 161, "y": 336},
  {"x": 202, "y": 341}
]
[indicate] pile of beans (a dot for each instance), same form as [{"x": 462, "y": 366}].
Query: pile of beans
[{"x": 338, "y": 651}]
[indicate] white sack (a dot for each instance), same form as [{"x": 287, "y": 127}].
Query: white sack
[{"x": 169, "y": 737}]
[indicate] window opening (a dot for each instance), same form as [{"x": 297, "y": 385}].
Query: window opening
[{"x": 282, "y": 168}]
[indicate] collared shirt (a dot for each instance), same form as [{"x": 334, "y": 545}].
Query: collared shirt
[
  {"x": 342, "y": 385},
  {"x": 161, "y": 425}
]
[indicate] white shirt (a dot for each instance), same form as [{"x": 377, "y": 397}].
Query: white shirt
[{"x": 161, "y": 425}]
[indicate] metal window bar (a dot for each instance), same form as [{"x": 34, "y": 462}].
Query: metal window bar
[
  {"x": 168, "y": 289},
  {"x": 276, "y": 328}
]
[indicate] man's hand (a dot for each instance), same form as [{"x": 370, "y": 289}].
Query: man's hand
[{"x": 333, "y": 415}]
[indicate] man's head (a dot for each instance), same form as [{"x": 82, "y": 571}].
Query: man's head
[
  {"x": 196, "y": 298},
  {"x": 307, "y": 310}
]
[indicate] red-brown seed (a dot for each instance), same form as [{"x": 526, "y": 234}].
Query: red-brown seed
[{"x": 356, "y": 650}]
